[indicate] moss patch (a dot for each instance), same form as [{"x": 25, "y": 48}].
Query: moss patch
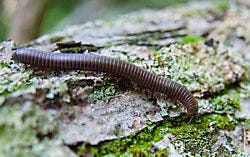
[
  {"x": 190, "y": 39},
  {"x": 197, "y": 137}
]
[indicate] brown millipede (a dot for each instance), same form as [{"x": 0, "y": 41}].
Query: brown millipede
[{"x": 90, "y": 62}]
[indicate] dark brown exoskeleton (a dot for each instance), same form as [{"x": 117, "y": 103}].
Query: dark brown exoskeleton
[{"x": 90, "y": 62}]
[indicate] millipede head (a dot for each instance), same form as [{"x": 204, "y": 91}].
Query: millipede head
[
  {"x": 18, "y": 54},
  {"x": 193, "y": 109},
  {"x": 14, "y": 56}
]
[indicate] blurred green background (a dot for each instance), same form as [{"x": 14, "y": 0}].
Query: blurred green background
[{"x": 61, "y": 13}]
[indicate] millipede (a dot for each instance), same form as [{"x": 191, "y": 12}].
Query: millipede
[{"x": 92, "y": 62}]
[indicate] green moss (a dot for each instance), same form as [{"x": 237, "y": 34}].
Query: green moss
[
  {"x": 105, "y": 92},
  {"x": 135, "y": 145},
  {"x": 197, "y": 137},
  {"x": 191, "y": 39}
]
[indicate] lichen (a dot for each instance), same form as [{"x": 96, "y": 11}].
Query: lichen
[
  {"x": 104, "y": 92},
  {"x": 27, "y": 130},
  {"x": 56, "y": 87},
  {"x": 187, "y": 64},
  {"x": 227, "y": 101},
  {"x": 16, "y": 80},
  {"x": 13, "y": 78}
]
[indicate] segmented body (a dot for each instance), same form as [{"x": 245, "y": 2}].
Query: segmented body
[{"x": 120, "y": 68}]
